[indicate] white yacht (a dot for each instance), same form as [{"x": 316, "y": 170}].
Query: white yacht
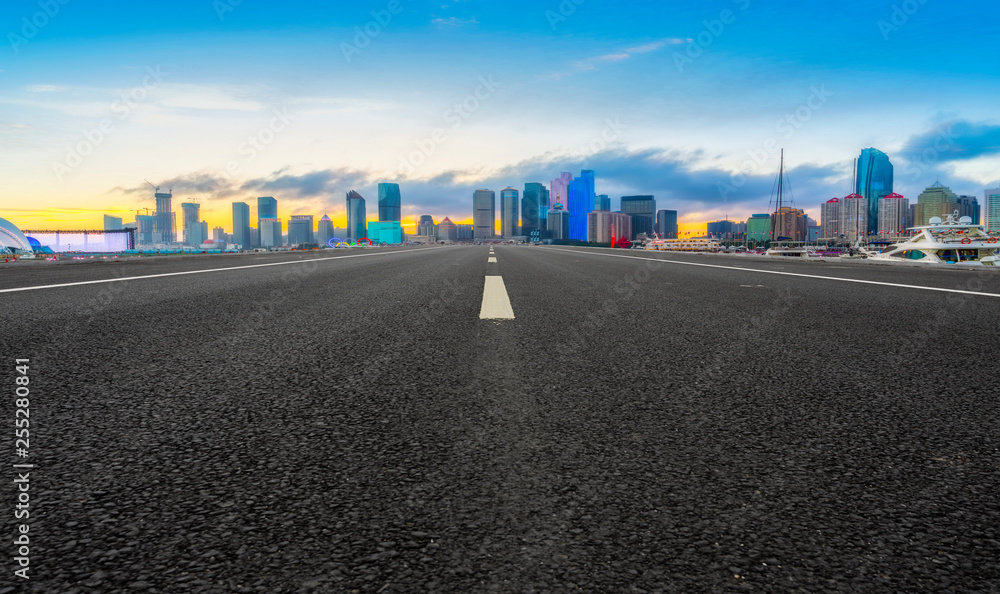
[{"x": 948, "y": 241}]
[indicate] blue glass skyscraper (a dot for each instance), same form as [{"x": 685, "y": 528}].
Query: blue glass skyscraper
[
  {"x": 389, "y": 202},
  {"x": 241, "y": 224},
  {"x": 874, "y": 182},
  {"x": 532, "y": 218},
  {"x": 581, "y": 201},
  {"x": 357, "y": 225}
]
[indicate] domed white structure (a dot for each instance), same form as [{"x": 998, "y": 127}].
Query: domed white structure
[{"x": 12, "y": 241}]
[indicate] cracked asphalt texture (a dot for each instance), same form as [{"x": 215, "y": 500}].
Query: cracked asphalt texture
[{"x": 350, "y": 424}]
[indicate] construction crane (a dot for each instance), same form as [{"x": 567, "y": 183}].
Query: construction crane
[{"x": 155, "y": 188}]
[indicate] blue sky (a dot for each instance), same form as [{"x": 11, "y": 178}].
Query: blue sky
[{"x": 684, "y": 101}]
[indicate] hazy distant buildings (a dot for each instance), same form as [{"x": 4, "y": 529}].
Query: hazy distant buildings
[
  {"x": 389, "y": 202},
  {"x": 991, "y": 209},
  {"x": 447, "y": 231},
  {"x": 241, "y": 224},
  {"x": 112, "y": 223},
  {"x": 641, "y": 209},
  {"x": 935, "y": 201},
  {"x": 300, "y": 230},
  {"x": 874, "y": 181},
  {"x": 195, "y": 232},
  {"x": 893, "y": 214},
  {"x": 789, "y": 224},
  {"x": 466, "y": 232},
  {"x": 968, "y": 206},
  {"x": 559, "y": 190},
  {"x": 580, "y": 192},
  {"x": 509, "y": 213},
  {"x": 484, "y": 214},
  {"x": 270, "y": 233},
  {"x": 603, "y": 225},
  {"x": 759, "y": 227},
  {"x": 724, "y": 229},
  {"x": 534, "y": 208},
  {"x": 163, "y": 228},
  {"x": 829, "y": 216},
  {"x": 324, "y": 231},
  {"x": 219, "y": 234},
  {"x": 557, "y": 222},
  {"x": 666, "y": 224},
  {"x": 602, "y": 202},
  {"x": 356, "y": 216}
]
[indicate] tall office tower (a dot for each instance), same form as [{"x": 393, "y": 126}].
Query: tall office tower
[
  {"x": 192, "y": 227},
  {"x": 829, "y": 216},
  {"x": 935, "y": 201},
  {"x": 581, "y": 201},
  {"x": 357, "y": 221},
  {"x": 509, "y": 213},
  {"x": 968, "y": 206},
  {"x": 389, "y": 203},
  {"x": 203, "y": 231},
  {"x": 324, "y": 232},
  {"x": 602, "y": 202},
  {"x": 144, "y": 228},
  {"x": 241, "y": 224},
  {"x": 991, "y": 209},
  {"x": 759, "y": 227},
  {"x": 602, "y": 225},
  {"x": 893, "y": 211},
  {"x": 558, "y": 223},
  {"x": 531, "y": 203},
  {"x": 163, "y": 228},
  {"x": 270, "y": 233},
  {"x": 267, "y": 208},
  {"x": 447, "y": 231},
  {"x": 874, "y": 181},
  {"x": 465, "y": 231},
  {"x": 112, "y": 223},
  {"x": 426, "y": 226},
  {"x": 641, "y": 209},
  {"x": 724, "y": 229},
  {"x": 300, "y": 230},
  {"x": 854, "y": 217},
  {"x": 484, "y": 213},
  {"x": 218, "y": 234},
  {"x": 666, "y": 224},
  {"x": 559, "y": 193},
  {"x": 789, "y": 224}
]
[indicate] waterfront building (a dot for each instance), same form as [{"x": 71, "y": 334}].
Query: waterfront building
[
  {"x": 484, "y": 213},
  {"x": 935, "y": 201},
  {"x": 759, "y": 227},
  {"x": 874, "y": 181},
  {"x": 968, "y": 206},
  {"x": 641, "y": 209},
  {"x": 991, "y": 210},
  {"x": 241, "y": 224},
  {"x": 270, "y": 232},
  {"x": 534, "y": 199},
  {"x": 389, "y": 203},
  {"x": 829, "y": 216},
  {"x": 300, "y": 230},
  {"x": 602, "y": 202},
  {"x": 725, "y": 229},
  {"x": 447, "y": 231},
  {"x": 789, "y": 224},
  {"x": 557, "y": 223},
  {"x": 602, "y": 225},
  {"x": 385, "y": 232},
  {"x": 509, "y": 213},
  {"x": 356, "y": 216},
  {"x": 267, "y": 208},
  {"x": 580, "y": 201},
  {"x": 466, "y": 232},
  {"x": 324, "y": 231},
  {"x": 666, "y": 224},
  {"x": 893, "y": 211}
]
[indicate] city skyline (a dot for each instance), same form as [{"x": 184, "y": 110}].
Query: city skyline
[{"x": 688, "y": 104}]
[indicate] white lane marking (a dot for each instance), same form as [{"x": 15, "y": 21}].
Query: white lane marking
[
  {"x": 833, "y": 278},
  {"x": 129, "y": 278},
  {"x": 491, "y": 259},
  {"x": 496, "y": 303}
]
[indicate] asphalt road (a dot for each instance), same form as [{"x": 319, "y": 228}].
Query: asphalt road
[{"x": 647, "y": 422}]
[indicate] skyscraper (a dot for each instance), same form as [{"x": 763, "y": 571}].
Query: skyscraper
[
  {"x": 389, "y": 202},
  {"x": 558, "y": 222},
  {"x": 163, "y": 229},
  {"x": 560, "y": 190},
  {"x": 447, "y": 231},
  {"x": 641, "y": 209},
  {"x": 112, "y": 223},
  {"x": 241, "y": 224},
  {"x": 830, "y": 219},
  {"x": 991, "y": 209},
  {"x": 968, "y": 206},
  {"x": 874, "y": 181},
  {"x": 935, "y": 201},
  {"x": 509, "y": 213},
  {"x": 893, "y": 212},
  {"x": 759, "y": 227},
  {"x": 144, "y": 228},
  {"x": 192, "y": 228},
  {"x": 267, "y": 208},
  {"x": 602, "y": 202},
  {"x": 789, "y": 224},
  {"x": 270, "y": 232},
  {"x": 357, "y": 223},
  {"x": 531, "y": 205},
  {"x": 426, "y": 226},
  {"x": 602, "y": 225},
  {"x": 324, "y": 232},
  {"x": 666, "y": 224},
  {"x": 484, "y": 214},
  {"x": 300, "y": 230},
  {"x": 581, "y": 202}
]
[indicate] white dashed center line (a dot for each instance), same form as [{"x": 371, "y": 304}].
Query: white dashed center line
[{"x": 496, "y": 303}]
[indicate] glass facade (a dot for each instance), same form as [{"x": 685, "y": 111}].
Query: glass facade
[
  {"x": 241, "y": 224},
  {"x": 534, "y": 208},
  {"x": 642, "y": 209},
  {"x": 300, "y": 230},
  {"x": 509, "y": 213},
  {"x": 581, "y": 201},
  {"x": 357, "y": 227},
  {"x": 666, "y": 224},
  {"x": 602, "y": 202},
  {"x": 484, "y": 213},
  {"x": 874, "y": 182},
  {"x": 385, "y": 232},
  {"x": 389, "y": 202}
]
